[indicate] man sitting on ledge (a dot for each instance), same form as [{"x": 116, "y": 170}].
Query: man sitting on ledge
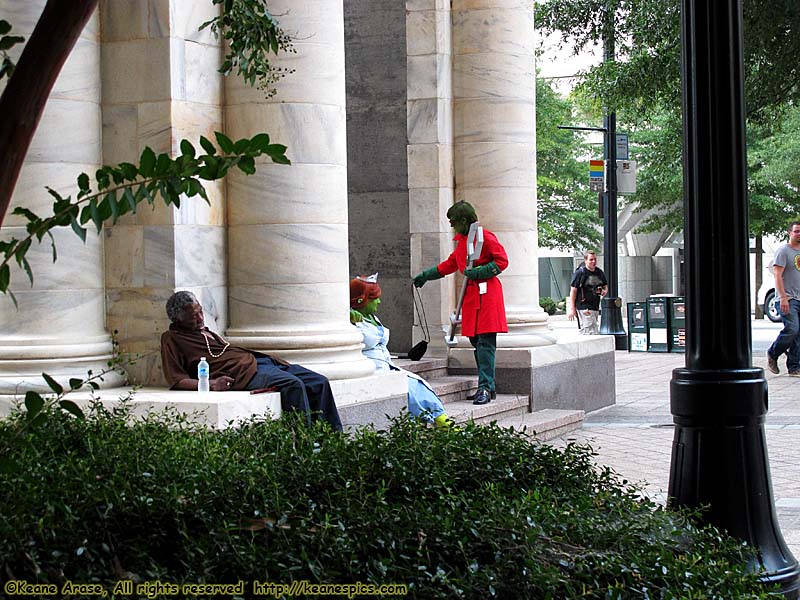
[{"x": 234, "y": 368}]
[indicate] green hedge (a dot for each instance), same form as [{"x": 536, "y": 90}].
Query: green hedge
[
  {"x": 475, "y": 512},
  {"x": 548, "y": 304}
]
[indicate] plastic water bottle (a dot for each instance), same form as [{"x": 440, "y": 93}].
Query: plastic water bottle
[{"x": 202, "y": 376}]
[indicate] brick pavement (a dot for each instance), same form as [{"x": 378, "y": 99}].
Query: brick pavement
[{"x": 634, "y": 437}]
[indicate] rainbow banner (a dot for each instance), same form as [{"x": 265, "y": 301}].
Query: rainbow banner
[{"x": 596, "y": 168}]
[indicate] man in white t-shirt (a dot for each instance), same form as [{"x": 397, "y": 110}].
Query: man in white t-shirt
[{"x": 786, "y": 268}]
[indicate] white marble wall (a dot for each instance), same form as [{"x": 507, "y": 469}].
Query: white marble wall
[
  {"x": 59, "y": 327},
  {"x": 494, "y": 145},
  {"x": 430, "y": 156},
  {"x": 161, "y": 85},
  {"x": 287, "y": 227}
]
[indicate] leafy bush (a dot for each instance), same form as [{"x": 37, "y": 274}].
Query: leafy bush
[
  {"x": 474, "y": 512},
  {"x": 548, "y": 304}
]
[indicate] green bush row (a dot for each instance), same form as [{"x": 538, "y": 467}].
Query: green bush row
[{"x": 474, "y": 512}]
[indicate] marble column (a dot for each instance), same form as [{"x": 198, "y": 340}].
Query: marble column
[
  {"x": 161, "y": 85},
  {"x": 59, "y": 327},
  {"x": 494, "y": 146},
  {"x": 287, "y": 225}
]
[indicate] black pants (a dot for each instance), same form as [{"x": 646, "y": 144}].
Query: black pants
[{"x": 301, "y": 389}]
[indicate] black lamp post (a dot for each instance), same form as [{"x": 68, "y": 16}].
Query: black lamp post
[{"x": 719, "y": 401}]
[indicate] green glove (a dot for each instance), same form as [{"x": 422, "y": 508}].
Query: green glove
[
  {"x": 427, "y": 275},
  {"x": 486, "y": 271},
  {"x": 355, "y": 316}
]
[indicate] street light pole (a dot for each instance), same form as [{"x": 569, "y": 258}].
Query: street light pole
[
  {"x": 719, "y": 400},
  {"x": 611, "y": 304}
]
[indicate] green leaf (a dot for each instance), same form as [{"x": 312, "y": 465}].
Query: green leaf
[
  {"x": 129, "y": 171},
  {"x": 83, "y": 183},
  {"x": 187, "y": 149},
  {"x": 192, "y": 187},
  {"x": 75, "y": 383},
  {"x": 102, "y": 179},
  {"x": 163, "y": 164},
  {"x": 54, "y": 193},
  {"x": 28, "y": 214},
  {"x": 8, "y": 41},
  {"x": 241, "y": 146},
  {"x": 33, "y": 404},
  {"x": 53, "y": 245},
  {"x": 21, "y": 250},
  {"x": 5, "y": 27},
  {"x": 276, "y": 151},
  {"x": 247, "y": 165},
  {"x": 8, "y": 466},
  {"x": 97, "y": 219},
  {"x": 207, "y": 145},
  {"x": 39, "y": 420},
  {"x": 113, "y": 205},
  {"x": 54, "y": 385},
  {"x": 281, "y": 160},
  {"x": 147, "y": 162},
  {"x": 79, "y": 231},
  {"x": 130, "y": 201},
  {"x": 27, "y": 267},
  {"x": 260, "y": 142},
  {"x": 210, "y": 171},
  {"x": 225, "y": 143},
  {"x": 72, "y": 408},
  {"x": 5, "y": 277}
]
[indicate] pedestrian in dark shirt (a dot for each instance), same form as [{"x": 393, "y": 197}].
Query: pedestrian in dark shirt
[{"x": 588, "y": 285}]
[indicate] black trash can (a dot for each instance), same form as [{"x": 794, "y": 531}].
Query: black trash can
[
  {"x": 637, "y": 327},
  {"x": 657, "y": 324},
  {"x": 676, "y": 309}
]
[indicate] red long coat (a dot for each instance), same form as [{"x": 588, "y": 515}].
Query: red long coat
[{"x": 480, "y": 313}]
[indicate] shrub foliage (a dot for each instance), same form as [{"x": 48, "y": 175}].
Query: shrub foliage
[{"x": 474, "y": 512}]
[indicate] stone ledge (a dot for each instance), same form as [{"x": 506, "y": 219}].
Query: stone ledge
[
  {"x": 222, "y": 409},
  {"x": 216, "y": 409}
]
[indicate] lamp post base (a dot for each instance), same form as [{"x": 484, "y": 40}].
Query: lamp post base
[
  {"x": 611, "y": 322},
  {"x": 719, "y": 460}
]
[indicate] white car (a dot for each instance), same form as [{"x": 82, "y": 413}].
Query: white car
[{"x": 766, "y": 296}]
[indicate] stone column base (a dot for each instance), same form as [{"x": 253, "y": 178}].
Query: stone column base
[
  {"x": 21, "y": 366},
  {"x": 335, "y": 354},
  {"x": 575, "y": 375}
]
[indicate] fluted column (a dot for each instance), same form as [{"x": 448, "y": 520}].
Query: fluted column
[
  {"x": 494, "y": 140},
  {"x": 59, "y": 327},
  {"x": 287, "y": 225}
]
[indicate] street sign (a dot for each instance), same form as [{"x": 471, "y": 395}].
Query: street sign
[
  {"x": 622, "y": 146},
  {"x": 626, "y": 176},
  {"x": 596, "y": 175}
]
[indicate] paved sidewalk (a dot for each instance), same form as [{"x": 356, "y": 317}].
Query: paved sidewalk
[{"x": 634, "y": 437}]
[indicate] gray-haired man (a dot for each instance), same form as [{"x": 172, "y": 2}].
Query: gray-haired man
[{"x": 235, "y": 368}]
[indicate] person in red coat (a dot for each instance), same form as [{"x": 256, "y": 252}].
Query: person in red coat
[{"x": 483, "y": 313}]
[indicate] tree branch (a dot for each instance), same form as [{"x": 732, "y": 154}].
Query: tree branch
[{"x": 25, "y": 96}]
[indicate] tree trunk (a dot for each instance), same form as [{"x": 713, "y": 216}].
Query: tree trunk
[
  {"x": 25, "y": 96},
  {"x": 759, "y": 274}
]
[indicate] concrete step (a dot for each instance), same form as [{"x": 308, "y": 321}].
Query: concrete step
[
  {"x": 545, "y": 424},
  {"x": 430, "y": 368},
  {"x": 453, "y": 388},
  {"x": 503, "y": 407}
]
